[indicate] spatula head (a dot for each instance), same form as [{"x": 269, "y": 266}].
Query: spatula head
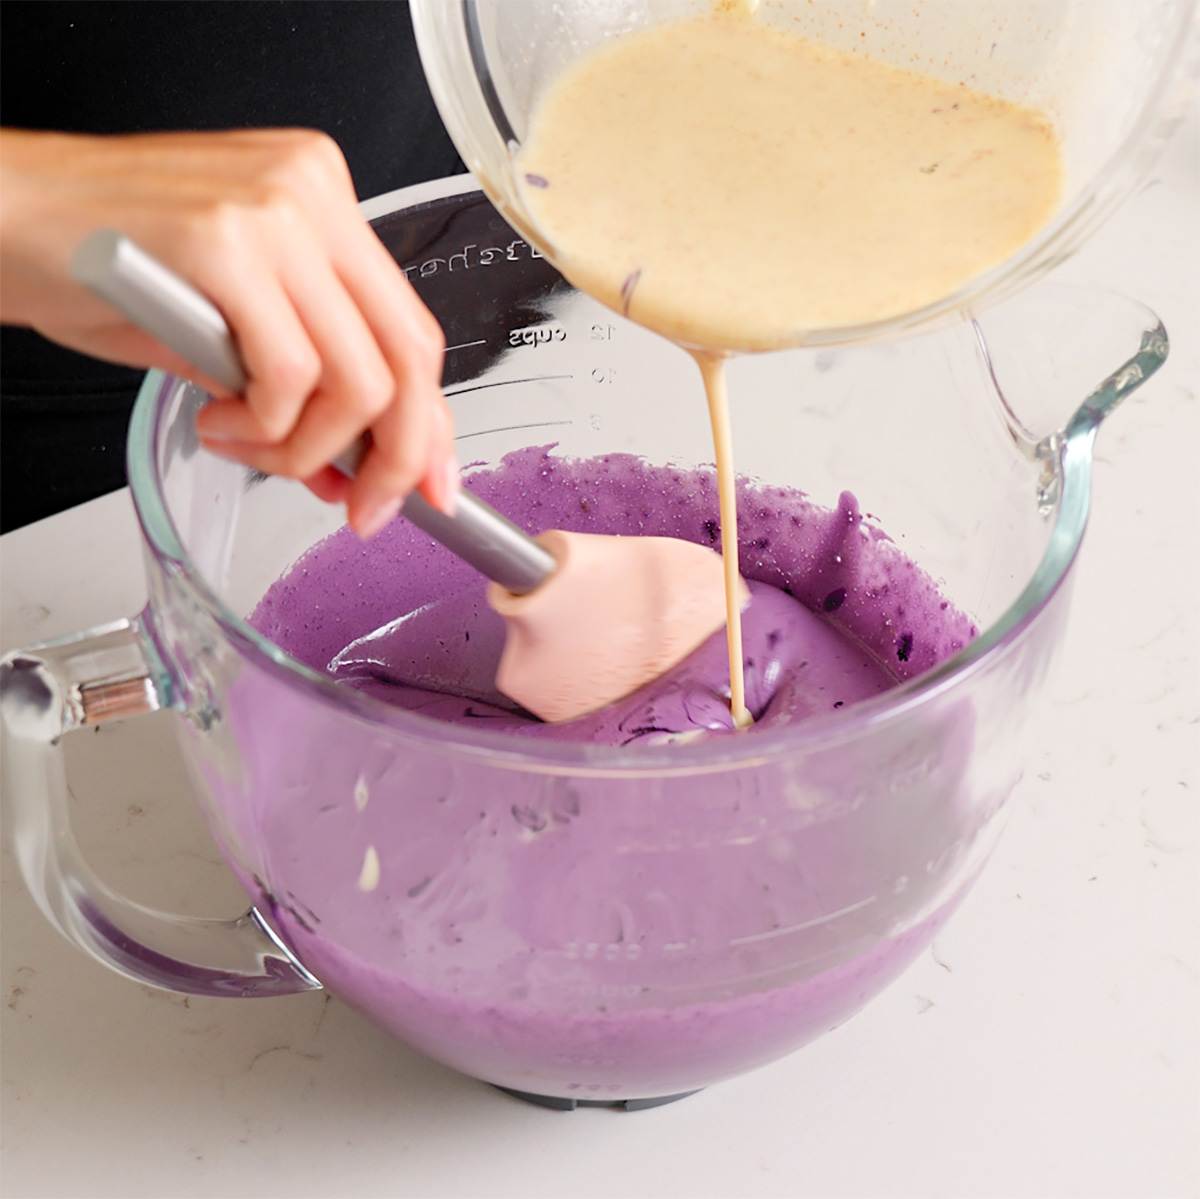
[{"x": 616, "y": 613}]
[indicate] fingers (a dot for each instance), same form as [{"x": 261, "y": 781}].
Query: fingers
[
  {"x": 340, "y": 346},
  {"x": 381, "y": 378},
  {"x": 265, "y": 223},
  {"x": 306, "y": 399},
  {"x": 383, "y": 475},
  {"x": 443, "y": 483},
  {"x": 413, "y": 439},
  {"x": 283, "y": 365},
  {"x": 329, "y": 484}
]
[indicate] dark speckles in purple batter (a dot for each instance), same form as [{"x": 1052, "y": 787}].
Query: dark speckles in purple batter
[
  {"x": 826, "y": 604},
  {"x": 525, "y": 816}
]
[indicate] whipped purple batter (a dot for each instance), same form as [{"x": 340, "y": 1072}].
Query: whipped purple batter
[
  {"x": 578, "y": 929},
  {"x": 837, "y": 615}
]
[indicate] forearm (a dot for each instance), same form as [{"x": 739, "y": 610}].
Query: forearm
[
  {"x": 34, "y": 191},
  {"x": 265, "y": 223}
]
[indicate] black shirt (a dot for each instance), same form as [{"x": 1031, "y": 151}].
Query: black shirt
[{"x": 349, "y": 68}]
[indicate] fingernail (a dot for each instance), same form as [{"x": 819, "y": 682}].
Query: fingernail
[{"x": 377, "y": 516}]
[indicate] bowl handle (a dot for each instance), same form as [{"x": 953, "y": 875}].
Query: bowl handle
[
  {"x": 1044, "y": 349},
  {"x": 113, "y": 672}
]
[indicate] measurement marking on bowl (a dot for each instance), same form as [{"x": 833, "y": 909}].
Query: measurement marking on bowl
[
  {"x": 465, "y": 345},
  {"x": 795, "y": 928},
  {"x": 368, "y": 878},
  {"x": 508, "y": 383},
  {"x": 538, "y": 424}
]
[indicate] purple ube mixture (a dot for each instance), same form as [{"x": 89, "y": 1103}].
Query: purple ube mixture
[
  {"x": 572, "y": 934},
  {"x": 837, "y": 615}
]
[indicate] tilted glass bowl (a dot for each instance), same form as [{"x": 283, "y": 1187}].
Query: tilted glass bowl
[{"x": 1113, "y": 76}]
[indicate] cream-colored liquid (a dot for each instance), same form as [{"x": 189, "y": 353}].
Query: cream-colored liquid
[
  {"x": 712, "y": 368},
  {"x": 735, "y": 187}
]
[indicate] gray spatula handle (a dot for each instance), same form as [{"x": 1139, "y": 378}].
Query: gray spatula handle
[{"x": 168, "y": 308}]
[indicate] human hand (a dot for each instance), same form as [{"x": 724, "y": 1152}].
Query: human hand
[{"x": 334, "y": 341}]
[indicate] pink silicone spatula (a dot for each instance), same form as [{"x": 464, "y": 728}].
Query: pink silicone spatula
[{"x": 589, "y": 618}]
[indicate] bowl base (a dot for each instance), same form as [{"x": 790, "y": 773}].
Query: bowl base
[{"x": 559, "y": 1104}]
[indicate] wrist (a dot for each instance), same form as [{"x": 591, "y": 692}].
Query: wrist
[{"x": 29, "y": 164}]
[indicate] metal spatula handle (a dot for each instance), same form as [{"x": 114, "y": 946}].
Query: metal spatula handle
[{"x": 168, "y": 308}]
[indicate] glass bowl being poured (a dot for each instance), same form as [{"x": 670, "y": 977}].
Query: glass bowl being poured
[{"x": 1109, "y": 78}]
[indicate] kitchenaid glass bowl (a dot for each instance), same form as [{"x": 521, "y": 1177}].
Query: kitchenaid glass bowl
[
  {"x": 1113, "y": 76},
  {"x": 580, "y": 921}
]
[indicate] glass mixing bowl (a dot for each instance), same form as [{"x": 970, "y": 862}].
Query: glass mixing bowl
[
  {"x": 1112, "y": 76},
  {"x": 578, "y": 921}
]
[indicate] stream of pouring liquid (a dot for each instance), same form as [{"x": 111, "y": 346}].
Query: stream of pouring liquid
[
  {"x": 712, "y": 368},
  {"x": 732, "y": 186}
]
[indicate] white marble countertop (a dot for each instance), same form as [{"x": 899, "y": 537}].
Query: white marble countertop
[{"x": 1047, "y": 1046}]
